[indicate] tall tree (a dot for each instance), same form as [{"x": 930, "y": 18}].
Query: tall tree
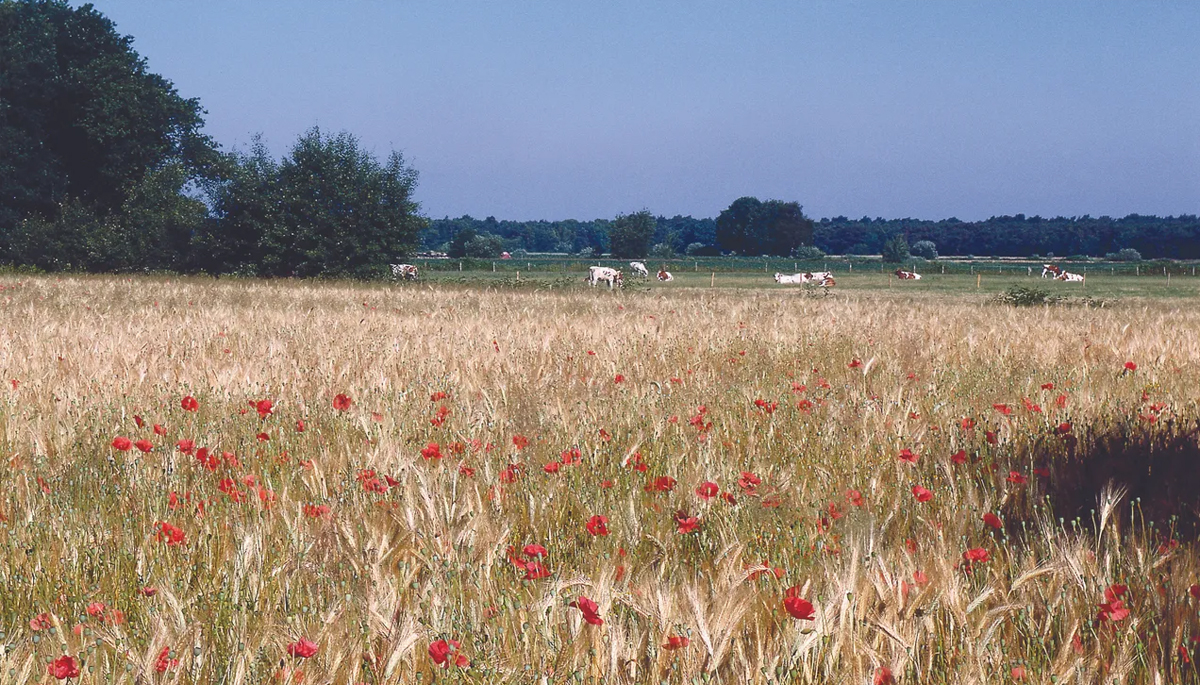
[
  {"x": 734, "y": 226},
  {"x": 630, "y": 234},
  {"x": 341, "y": 212},
  {"x": 83, "y": 123}
]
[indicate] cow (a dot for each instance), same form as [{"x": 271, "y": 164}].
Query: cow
[
  {"x": 907, "y": 275},
  {"x": 789, "y": 279},
  {"x": 665, "y": 276},
  {"x": 640, "y": 269},
  {"x": 1069, "y": 277},
  {"x": 603, "y": 273},
  {"x": 404, "y": 272},
  {"x": 1050, "y": 270},
  {"x": 816, "y": 277}
]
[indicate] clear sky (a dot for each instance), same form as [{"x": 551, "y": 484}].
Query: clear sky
[{"x": 563, "y": 109}]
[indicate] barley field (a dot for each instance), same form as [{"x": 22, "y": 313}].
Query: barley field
[{"x": 223, "y": 481}]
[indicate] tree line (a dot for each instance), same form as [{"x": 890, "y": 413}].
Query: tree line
[{"x": 105, "y": 167}]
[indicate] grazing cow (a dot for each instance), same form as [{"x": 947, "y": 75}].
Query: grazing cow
[
  {"x": 1069, "y": 277},
  {"x": 405, "y": 272},
  {"x": 665, "y": 276},
  {"x": 1050, "y": 270},
  {"x": 640, "y": 269},
  {"x": 907, "y": 275},
  {"x": 603, "y": 273}
]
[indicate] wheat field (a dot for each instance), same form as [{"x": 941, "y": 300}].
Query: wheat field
[{"x": 223, "y": 481}]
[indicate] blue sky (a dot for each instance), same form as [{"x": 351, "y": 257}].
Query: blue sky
[{"x": 562, "y": 109}]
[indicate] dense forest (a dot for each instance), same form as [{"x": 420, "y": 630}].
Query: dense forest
[{"x": 104, "y": 167}]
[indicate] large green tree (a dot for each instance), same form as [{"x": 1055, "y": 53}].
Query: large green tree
[
  {"x": 752, "y": 227},
  {"x": 92, "y": 144},
  {"x": 630, "y": 234},
  {"x": 336, "y": 211}
]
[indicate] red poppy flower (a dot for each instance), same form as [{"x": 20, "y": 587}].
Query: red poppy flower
[
  {"x": 316, "y": 511},
  {"x": 1018, "y": 672},
  {"x": 976, "y": 555},
  {"x": 164, "y": 661},
  {"x": 263, "y": 407},
  {"x": 854, "y": 497},
  {"x": 797, "y": 606},
  {"x": 40, "y": 622},
  {"x": 511, "y": 473},
  {"x": 299, "y": 425},
  {"x": 1130, "y": 366},
  {"x": 590, "y": 610},
  {"x": 728, "y": 498},
  {"x": 552, "y": 467},
  {"x": 302, "y": 648},
  {"x": 598, "y": 525},
  {"x": 570, "y": 457},
  {"x": 342, "y": 402},
  {"x": 676, "y": 642},
  {"x": 1047, "y": 386},
  {"x": 1064, "y": 428},
  {"x": 64, "y": 667},
  {"x": 992, "y": 520},
  {"x": 1014, "y": 477},
  {"x": 439, "y": 417},
  {"x": 922, "y": 494},
  {"x": 1112, "y": 610},
  {"x": 707, "y": 490},
  {"x": 535, "y": 571},
  {"x": 685, "y": 523},
  {"x": 661, "y": 484},
  {"x": 920, "y": 578},
  {"x": 959, "y": 457},
  {"x": 170, "y": 534},
  {"x": 122, "y": 443},
  {"x": 748, "y": 482},
  {"x": 618, "y": 378},
  {"x": 465, "y": 470},
  {"x": 1060, "y": 401},
  {"x": 883, "y": 676},
  {"x": 441, "y": 652},
  {"x": 990, "y": 436},
  {"x": 534, "y": 550},
  {"x": 1042, "y": 471},
  {"x": 907, "y": 455},
  {"x": 138, "y": 421},
  {"x": 437, "y": 396},
  {"x": 159, "y": 429},
  {"x": 185, "y": 445},
  {"x": 854, "y": 363},
  {"x": 520, "y": 441},
  {"x": 148, "y": 591},
  {"x": 1002, "y": 408},
  {"x": 189, "y": 403},
  {"x": 431, "y": 451},
  {"x": 95, "y": 609},
  {"x": 144, "y": 445}
]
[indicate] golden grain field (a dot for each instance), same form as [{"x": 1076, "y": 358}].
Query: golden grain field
[{"x": 427, "y": 449}]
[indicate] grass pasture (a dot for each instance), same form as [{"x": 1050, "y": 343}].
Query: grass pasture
[{"x": 420, "y": 436}]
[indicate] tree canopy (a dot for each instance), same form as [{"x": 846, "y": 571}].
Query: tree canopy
[{"x": 751, "y": 227}]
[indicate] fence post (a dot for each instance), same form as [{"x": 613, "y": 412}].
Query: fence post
[
  {"x": 518, "y": 275},
  {"x": 460, "y": 266},
  {"x": 493, "y": 267},
  {"x": 713, "y": 280},
  {"x": 978, "y": 280}
]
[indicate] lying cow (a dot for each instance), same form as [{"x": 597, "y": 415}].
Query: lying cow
[
  {"x": 607, "y": 274},
  {"x": 907, "y": 275},
  {"x": 665, "y": 276},
  {"x": 640, "y": 269},
  {"x": 823, "y": 279},
  {"x": 404, "y": 272},
  {"x": 1069, "y": 277}
]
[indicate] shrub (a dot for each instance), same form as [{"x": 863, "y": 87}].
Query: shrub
[
  {"x": 587, "y": 252},
  {"x": 808, "y": 252},
  {"x": 662, "y": 251},
  {"x": 1021, "y": 296},
  {"x": 925, "y": 248},
  {"x": 1126, "y": 255}
]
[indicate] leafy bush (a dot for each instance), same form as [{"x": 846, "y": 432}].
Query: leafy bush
[
  {"x": 1126, "y": 255},
  {"x": 925, "y": 248},
  {"x": 662, "y": 251},
  {"x": 587, "y": 252},
  {"x": 1021, "y": 296},
  {"x": 808, "y": 252}
]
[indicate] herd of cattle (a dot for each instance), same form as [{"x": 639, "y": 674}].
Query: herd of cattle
[{"x": 823, "y": 279}]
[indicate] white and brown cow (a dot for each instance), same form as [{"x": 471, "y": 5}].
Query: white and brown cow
[
  {"x": 607, "y": 274},
  {"x": 665, "y": 276},
  {"x": 640, "y": 269},
  {"x": 789, "y": 279},
  {"x": 1050, "y": 270},
  {"x": 404, "y": 272},
  {"x": 1069, "y": 277},
  {"x": 907, "y": 275}
]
